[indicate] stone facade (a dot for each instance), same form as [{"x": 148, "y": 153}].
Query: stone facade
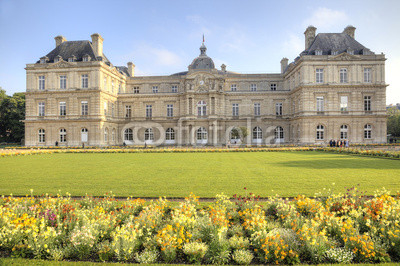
[{"x": 335, "y": 89}]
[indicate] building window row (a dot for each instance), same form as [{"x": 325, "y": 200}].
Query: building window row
[
  {"x": 344, "y": 129},
  {"x": 343, "y": 75},
  {"x": 344, "y": 103},
  {"x": 63, "y": 82}
]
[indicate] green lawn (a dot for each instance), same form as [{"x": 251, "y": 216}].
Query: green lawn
[{"x": 205, "y": 174}]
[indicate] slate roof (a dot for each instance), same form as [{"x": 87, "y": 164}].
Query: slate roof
[
  {"x": 329, "y": 42},
  {"x": 74, "y": 48},
  {"x": 202, "y": 61},
  {"x": 123, "y": 70}
]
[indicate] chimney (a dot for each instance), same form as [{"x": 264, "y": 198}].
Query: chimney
[
  {"x": 97, "y": 42},
  {"x": 223, "y": 68},
  {"x": 350, "y": 30},
  {"x": 284, "y": 64},
  {"x": 59, "y": 40},
  {"x": 309, "y": 35},
  {"x": 131, "y": 69}
]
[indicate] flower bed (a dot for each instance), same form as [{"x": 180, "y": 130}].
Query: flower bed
[
  {"x": 332, "y": 229},
  {"x": 373, "y": 153}
]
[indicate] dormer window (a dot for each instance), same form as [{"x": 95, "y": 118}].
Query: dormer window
[
  {"x": 350, "y": 51},
  {"x": 86, "y": 58},
  {"x": 334, "y": 52},
  {"x": 318, "y": 52},
  {"x": 44, "y": 60},
  {"x": 366, "y": 51},
  {"x": 72, "y": 58},
  {"x": 57, "y": 58}
]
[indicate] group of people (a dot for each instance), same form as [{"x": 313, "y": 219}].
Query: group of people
[{"x": 339, "y": 143}]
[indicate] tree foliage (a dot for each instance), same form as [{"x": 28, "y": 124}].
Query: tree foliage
[
  {"x": 393, "y": 122},
  {"x": 12, "y": 112}
]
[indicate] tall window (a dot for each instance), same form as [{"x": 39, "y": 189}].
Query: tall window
[
  {"x": 112, "y": 86},
  {"x": 42, "y": 135},
  {"x": 113, "y": 135},
  {"x": 84, "y": 108},
  {"x": 367, "y": 131},
  {"x": 170, "y": 134},
  {"x": 201, "y": 134},
  {"x": 320, "y": 104},
  {"x": 112, "y": 109},
  {"x": 84, "y": 134},
  {"x": 367, "y": 74},
  {"x": 63, "y": 82},
  {"x": 343, "y": 131},
  {"x": 85, "y": 81},
  {"x": 343, "y": 103},
  {"x": 320, "y": 132},
  {"x": 128, "y": 111},
  {"x": 278, "y": 133},
  {"x": 235, "y": 109},
  {"x": 273, "y": 86},
  {"x": 174, "y": 88},
  {"x": 343, "y": 75},
  {"x": 63, "y": 108},
  {"x": 63, "y": 135},
  {"x": 148, "y": 134},
  {"x": 253, "y": 87},
  {"x": 155, "y": 89},
  {"x": 41, "y": 106},
  {"x": 201, "y": 108},
  {"x": 105, "y": 84},
  {"x": 136, "y": 90},
  {"x": 257, "y": 109},
  {"x": 105, "y": 108},
  {"x": 319, "y": 75},
  {"x": 278, "y": 109},
  {"x": 170, "y": 110},
  {"x": 106, "y": 135},
  {"x": 257, "y": 133},
  {"x": 149, "y": 111},
  {"x": 233, "y": 87},
  {"x": 367, "y": 103},
  {"x": 128, "y": 134},
  {"x": 42, "y": 83}
]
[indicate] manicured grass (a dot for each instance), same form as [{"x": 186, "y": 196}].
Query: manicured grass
[{"x": 205, "y": 174}]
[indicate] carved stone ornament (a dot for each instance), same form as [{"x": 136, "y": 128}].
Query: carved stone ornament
[
  {"x": 345, "y": 57},
  {"x": 61, "y": 64}
]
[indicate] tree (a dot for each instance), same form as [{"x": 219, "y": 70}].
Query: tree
[
  {"x": 12, "y": 111},
  {"x": 393, "y": 122},
  {"x": 240, "y": 133}
]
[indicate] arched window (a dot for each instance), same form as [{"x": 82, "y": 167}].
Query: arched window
[
  {"x": 257, "y": 133},
  {"x": 320, "y": 132},
  {"x": 201, "y": 134},
  {"x": 148, "y": 134},
  {"x": 343, "y": 131},
  {"x": 113, "y": 135},
  {"x": 201, "y": 108},
  {"x": 279, "y": 133},
  {"x": 63, "y": 135},
  {"x": 367, "y": 131},
  {"x": 42, "y": 135},
  {"x": 84, "y": 135},
  {"x": 106, "y": 135},
  {"x": 235, "y": 135},
  {"x": 128, "y": 134},
  {"x": 170, "y": 134}
]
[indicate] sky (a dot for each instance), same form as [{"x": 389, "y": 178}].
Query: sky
[{"x": 163, "y": 37}]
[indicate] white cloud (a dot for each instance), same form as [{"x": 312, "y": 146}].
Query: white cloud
[
  {"x": 326, "y": 18},
  {"x": 293, "y": 46},
  {"x": 158, "y": 56}
]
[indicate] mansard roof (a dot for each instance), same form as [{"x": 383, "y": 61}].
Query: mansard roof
[
  {"x": 330, "y": 42},
  {"x": 74, "y": 48},
  {"x": 123, "y": 70}
]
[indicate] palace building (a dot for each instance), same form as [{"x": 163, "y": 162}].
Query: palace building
[{"x": 335, "y": 89}]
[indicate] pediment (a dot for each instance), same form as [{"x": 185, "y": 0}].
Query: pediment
[
  {"x": 61, "y": 64},
  {"x": 345, "y": 57}
]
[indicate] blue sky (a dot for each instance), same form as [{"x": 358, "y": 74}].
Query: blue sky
[{"x": 163, "y": 37}]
